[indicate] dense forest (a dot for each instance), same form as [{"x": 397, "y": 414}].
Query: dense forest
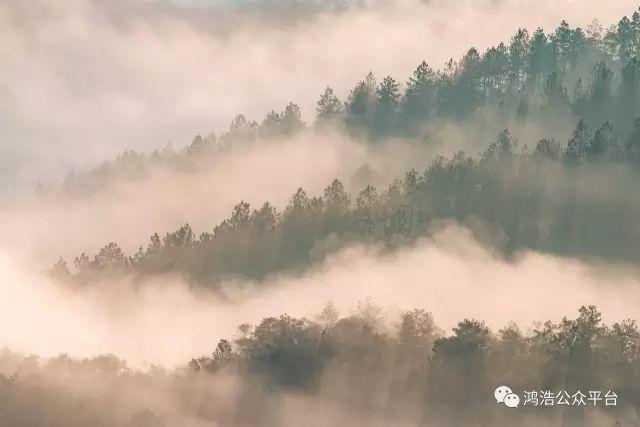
[
  {"x": 563, "y": 196},
  {"x": 543, "y": 199},
  {"x": 352, "y": 370}
]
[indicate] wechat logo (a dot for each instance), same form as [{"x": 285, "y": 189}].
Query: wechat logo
[{"x": 504, "y": 394}]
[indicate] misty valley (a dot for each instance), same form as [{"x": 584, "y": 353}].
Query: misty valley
[{"x": 376, "y": 240}]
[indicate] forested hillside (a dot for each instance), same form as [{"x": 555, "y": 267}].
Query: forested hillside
[
  {"x": 530, "y": 186},
  {"x": 570, "y": 196}
]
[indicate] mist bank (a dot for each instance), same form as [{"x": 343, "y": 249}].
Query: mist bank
[
  {"x": 163, "y": 320},
  {"x": 139, "y": 194},
  {"x": 86, "y": 79},
  {"x": 136, "y": 194}
]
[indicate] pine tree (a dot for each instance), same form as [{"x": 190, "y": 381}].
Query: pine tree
[
  {"x": 579, "y": 143},
  {"x": 329, "y": 108}
]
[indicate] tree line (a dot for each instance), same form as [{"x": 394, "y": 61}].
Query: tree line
[
  {"x": 568, "y": 74},
  {"x": 571, "y": 199},
  {"x": 411, "y": 374},
  {"x": 590, "y": 73}
]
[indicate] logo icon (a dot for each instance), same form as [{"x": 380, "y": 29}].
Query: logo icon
[
  {"x": 504, "y": 394},
  {"x": 501, "y": 392}
]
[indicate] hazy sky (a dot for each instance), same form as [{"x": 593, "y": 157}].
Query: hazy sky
[{"x": 84, "y": 79}]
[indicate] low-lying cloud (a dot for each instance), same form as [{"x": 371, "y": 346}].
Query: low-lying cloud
[
  {"x": 40, "y": 228},
  {"x": 163, "y": 321}
]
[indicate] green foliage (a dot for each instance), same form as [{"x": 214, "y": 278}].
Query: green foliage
[
  {"x": 505, "y": 187},
  {"x": 329, "y": 109},
  {"x": 530, "y": 197}
]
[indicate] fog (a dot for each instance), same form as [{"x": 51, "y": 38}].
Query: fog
[
  {"x": 511, "y": 234},
  {"x": 85, "y": 79},
  {"x": 129, "y": 210},
  {"x": 164, "y": 321}
]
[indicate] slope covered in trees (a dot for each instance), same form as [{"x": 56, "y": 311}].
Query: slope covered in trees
[
  {"x": 571, "y": 197},
  {"x": 574, "y": 195},
  {"x": 561, "y": 77},
  {"x": 349, "y": 370}
]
